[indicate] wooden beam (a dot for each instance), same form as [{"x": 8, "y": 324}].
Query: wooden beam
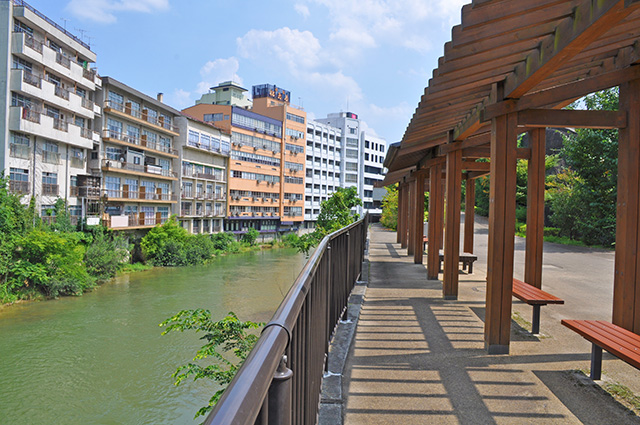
[
  {"x": 472, "y": 175},
  {"x": 589, "y": 21},
  {"x": 399, "y": 226},
  {"x": 572, "y": 118},
  {"x": 476, "y": 166},
  {"x": 435, "y": 221},
  {"x": 452, "y": 223},
  {"x": 535, "y": 209},
  {"x": 473, "y": 141},
  {"x": 405, "y": 216},
  {"x": 411, "y": 221}
]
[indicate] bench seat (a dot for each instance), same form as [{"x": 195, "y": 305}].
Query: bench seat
[
  {"x": 618, "y": 341},
  {"x": 534, "y": 297},
  {"x": 466, "y": 259}
]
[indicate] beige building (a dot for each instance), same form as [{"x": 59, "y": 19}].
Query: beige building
[
  {"x": 204, "y": 156},
  {"x": 137, "y": 161},
  {"x": 48, "y": 91}
]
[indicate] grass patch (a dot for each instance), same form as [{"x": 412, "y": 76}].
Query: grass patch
[
  {"x": 516, "y": 317},
  {"x": 624, "y": 395},
  {"x": 136, "y": 267}
]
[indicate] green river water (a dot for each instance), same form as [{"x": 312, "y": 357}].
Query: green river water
[{"x": 100, "y": 358}]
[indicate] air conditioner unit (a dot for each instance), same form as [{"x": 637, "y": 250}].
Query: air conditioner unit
[{"x": 258, "y": 181}]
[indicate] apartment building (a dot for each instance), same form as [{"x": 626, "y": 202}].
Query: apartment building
[
  {"x": 274, "y": 102},
  {"x": 227, "y": 93},
  {"x": 361, "y": 158},
  {"x": 254, "y": 166},
  {"x": 323, "y": 167},
  {"x": 137, "y": 161},
  {"x": 204, "y": 157},
  {"x": 47, "y": 102}
]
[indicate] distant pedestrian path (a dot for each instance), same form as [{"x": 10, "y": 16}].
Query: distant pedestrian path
[{"x": 417, "y": 358}]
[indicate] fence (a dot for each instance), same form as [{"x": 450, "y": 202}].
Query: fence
[{"x": 280, "y": 381}]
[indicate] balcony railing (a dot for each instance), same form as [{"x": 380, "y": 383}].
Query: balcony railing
[
  {"x": 138, "y": 195},
  {"x": 60, "y": 124},
  {"x": 141, "y": 115},
  {"x": 33, "y": 79},
  {"x": 137, "y": 141},
  {"x": 63, "y": 60},
  {"x": 89, "y": 74},
  {"x": 19, "y": 151},
  {"x": 31, "y": 42},
  {"x": 18, "y": 186},
  {"x": 87, "y": 103},
  {"x": 87, "y": 133},
  {"x": 49, "y": 20},
  {"x": 149, "y": 169},
  {"x": 31, "y": 115},
  {"x": 50, "y": 189},
  {"x": 134, "y": 220},
  {"x": 77, "y": 162},
  {"x": 184, "y": 213},
  {"x": 294, "y": 342},
  {"x": 61, "y": 92},
  {"x": 74, "y": 190},
  {"x": 51, "y": 157},
  {"x": 90, "y": 192}
]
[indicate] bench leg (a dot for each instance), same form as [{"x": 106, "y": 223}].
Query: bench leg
[
  {"x": 470, "y": 267},
  {"x": 535, "y": 319},
  {"x": 596, "y": 362}
]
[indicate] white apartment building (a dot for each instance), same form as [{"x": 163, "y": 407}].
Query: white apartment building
[
  {"x": 204, "y": 158},
  {"x": 47, "y": 103},
  {"x": 323, "y": 167},
  {"x": 361, "y": 158}
]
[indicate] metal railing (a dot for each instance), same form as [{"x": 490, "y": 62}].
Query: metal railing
[
  {"x": 138, "y": 141},
  {"x": 281, "y": 379},
  {"x": 148, "y": 169}
]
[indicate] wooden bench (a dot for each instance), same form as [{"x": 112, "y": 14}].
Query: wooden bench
[
  {"x": 425, "y": 241},
  {"x": 618, "y": 341},
  {"x": 466, "y": 259},
  {"x": 534, "y": 297}
]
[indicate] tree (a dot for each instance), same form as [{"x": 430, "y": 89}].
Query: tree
[
  {"x": 250, "y": 236},
  {"x": 389, "y": 218},
  {"x": 228, "y": 342},
  {"x": 336, "y": 212}
]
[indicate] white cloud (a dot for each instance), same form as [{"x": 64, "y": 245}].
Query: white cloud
[
  {"x": 297, "y": 50},
  {"x": 180, "y": 99},
  {"x": 217, "y": 71},
  {"x": 302, "y": 9},
  {"x": 104, "y": 11}
]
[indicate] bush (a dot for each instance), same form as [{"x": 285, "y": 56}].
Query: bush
[
  {"x": 221, "y": 241},
  {"x": 164, "y": 245},
  {"x": 105, "y": 254},
  {"x": 250, "y": 237},
  {"x": 199, "y": 249}
]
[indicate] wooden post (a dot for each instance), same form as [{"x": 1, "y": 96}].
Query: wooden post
[
  {"x": 452, "y": 225},
  {"x": 411, "y": 218},
  {"x": 435, "y": 221},
  {"x": 419, "y": 219},
  {"x": 401, "y": 195},
  {"x": 502, "y": 212},
  {"x": 405, "y": 215},
  {"x": 626, "y": 284},
  {"x": 469, "y": 214},
  {"x": 535, "y": 209}
]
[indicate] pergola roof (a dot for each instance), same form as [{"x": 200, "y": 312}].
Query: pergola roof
[{"x": 531, "y": 53}]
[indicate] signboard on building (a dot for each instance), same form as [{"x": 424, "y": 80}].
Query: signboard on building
[{"x": 272, "y": 91}]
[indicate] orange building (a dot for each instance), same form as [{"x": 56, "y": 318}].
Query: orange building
[{"x": 266, "y": 164}]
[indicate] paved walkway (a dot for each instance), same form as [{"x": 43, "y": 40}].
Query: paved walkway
[{"x": 419, "y": 359}]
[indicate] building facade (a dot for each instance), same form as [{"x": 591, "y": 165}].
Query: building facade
[
  {"x": 49, "y": 110},
  {"x": 137, "y": 161},
  {"x": 375, "y": 150},
  {"x": 323, "y": 167},
  {"x": 204, "y": 158}
]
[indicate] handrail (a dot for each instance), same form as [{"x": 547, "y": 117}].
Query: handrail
[{"x": 299, "y": 335}]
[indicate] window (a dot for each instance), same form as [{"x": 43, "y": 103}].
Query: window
[
  {"x": 353, "y": 130},
  {"x": 114, "y": 127},
  {"x": 20, "y": 27},
  {"x": 366, "y": 156},
  {"x": 112, "y": 153},
  {"x": 19, "y": 147},
  {"x": 115, "y": 100},
  {"x": 133, "y": 134},
  {"x": 20, "y": 100},
  {"x": 212, "y": 117},
  {"x": 296, "y": 118},
  {"x": 194, "y": 138},
  {"x": 351, "y": 153},
  {"x": 352, "y": 143},
  {"x": 19, "y": 63},
  {"x": 50, "y": 153},
  {"x": 19, "y": 174},
  {"x": 112, "y": 184}
]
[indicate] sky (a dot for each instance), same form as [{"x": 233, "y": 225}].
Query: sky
[{"x": 370, "y": 57}]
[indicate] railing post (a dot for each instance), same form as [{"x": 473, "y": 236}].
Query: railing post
[{"x": 280, "y": 395}]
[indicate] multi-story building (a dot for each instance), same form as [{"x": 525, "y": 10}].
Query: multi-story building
[
  {"x": 47, "y": 99},
  {"x": 361, "y": 159},
  {"x": 374, "y": 153},
  {"x": 137, "y": 160},
  {"x": 273, "y": 102},
  {"x": 266, "y": 166},
  {"x": 204, "y": 157},
  {"x": 226, "y": 93},
  {"x": 323, "y": 167},
  {"x": 254, "y": 166}
]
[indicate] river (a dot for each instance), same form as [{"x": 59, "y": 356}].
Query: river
[{"x": 100, "y": 358}]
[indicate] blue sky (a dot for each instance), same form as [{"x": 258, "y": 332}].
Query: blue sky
[{"x": 371, "y": 57}]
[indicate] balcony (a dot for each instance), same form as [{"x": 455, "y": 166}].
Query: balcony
[
  {"x": 19, "y": 151},
  {"x": 21, "y": 187},
  {"x": 185, "y": 213},
  {"x": 143, "y": 117},
  {"x": 133, "y": 221},
  {"x": 63, "y": 60},
  {"x": 32, "y": 43},
  {"x": 51, "y": 157},
  {"x": 138, "y": 196},
  {"x": 61, "y": 125},
  {"x": 32, "y": 79},
  {"x": 77, "y": 162},
  {"x": 61, "y": 92},
  {"x": 141, "y": 142},
  {"x": 147, "y": 170},
  {"x": 49, "y": 189},
  {"x": 32, "y": 121}
]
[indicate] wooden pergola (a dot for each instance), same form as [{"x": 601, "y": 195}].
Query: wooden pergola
[{"x": 509, "y": 68}]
